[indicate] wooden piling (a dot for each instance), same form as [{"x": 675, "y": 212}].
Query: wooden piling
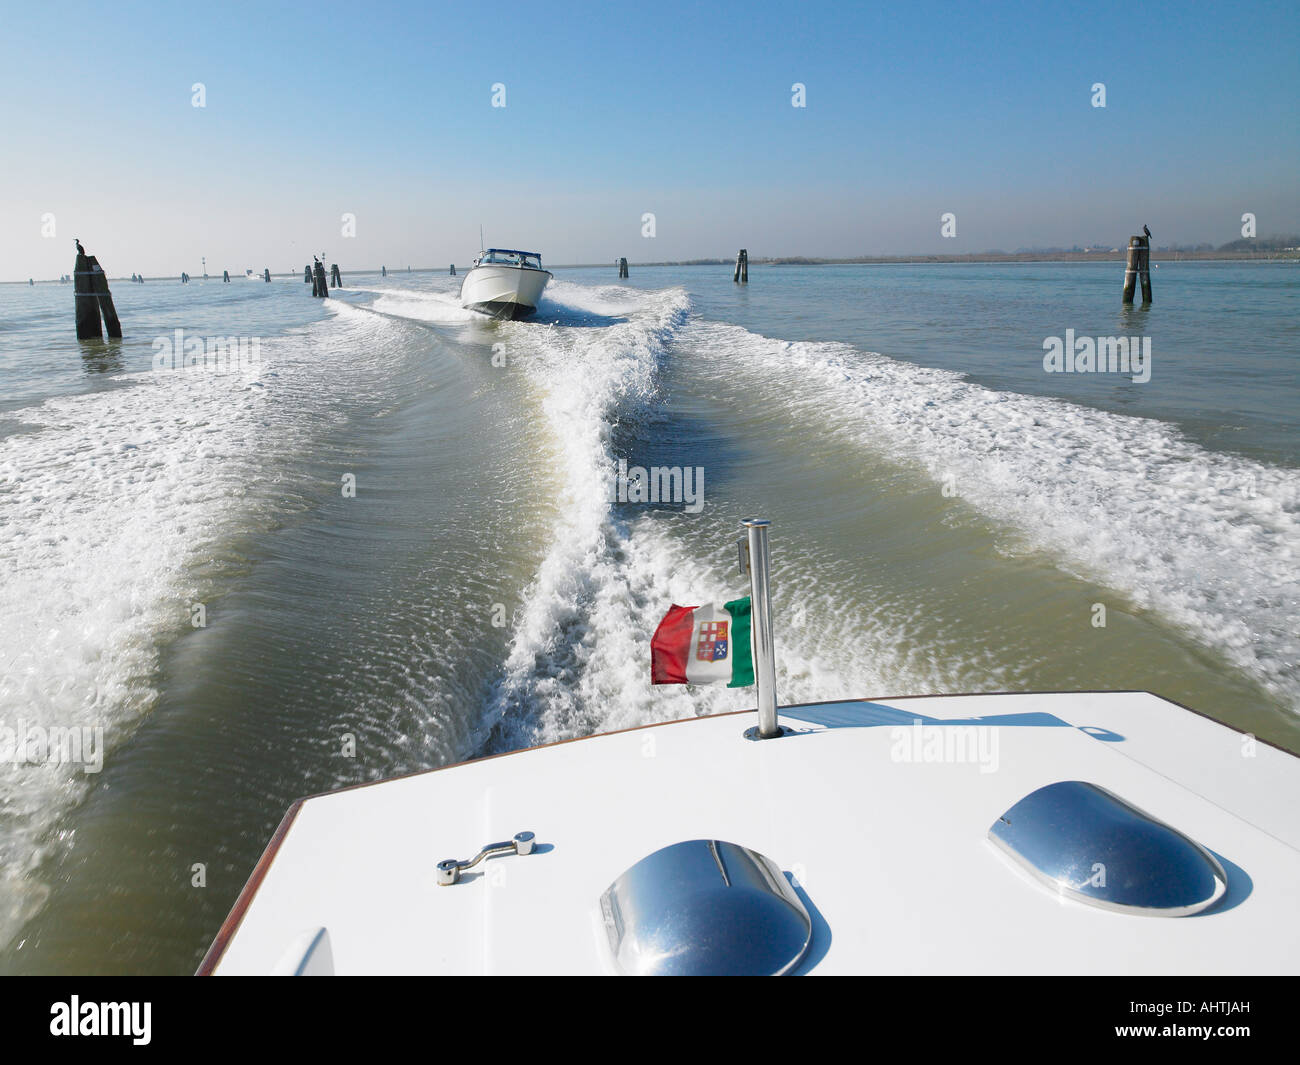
[
  {"x": 742, "y": 268},
  {"x": 1138, "y": 267},
  {"x": 336, "y": 279},
  {"x": 87, "y": 305},
  {"x": 306, "y": 275},
  {"x": 319, "y": 286},
  {"x": 92, "y": 299},
  {"x": 266, "y": 274},
  {"x": 225, "y": 277},
  {"x": 99, "y": 281},
  {"x": 453, "y": 269},
  {"x": 383, "y": 271},
  {"x": 622, "y": 267}
]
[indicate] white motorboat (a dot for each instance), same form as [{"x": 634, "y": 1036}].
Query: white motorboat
[
  {"x": 505, "y": 283},
  {"x": 1058, "y": 833}
]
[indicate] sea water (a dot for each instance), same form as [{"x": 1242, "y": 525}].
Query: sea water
[{"x": 380, "y": 536}]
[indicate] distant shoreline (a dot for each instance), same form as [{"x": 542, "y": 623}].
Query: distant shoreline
[
  {"x": 1121, "y": 255},
  {"x": 1157, "y": 255}
]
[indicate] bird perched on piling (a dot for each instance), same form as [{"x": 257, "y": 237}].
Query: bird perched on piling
[
  {"x": 80, "y": 249},
  {"x": 1147, "y": 232}
]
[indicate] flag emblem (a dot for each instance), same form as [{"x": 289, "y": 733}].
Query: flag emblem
[{"x": 712, "y": 646}]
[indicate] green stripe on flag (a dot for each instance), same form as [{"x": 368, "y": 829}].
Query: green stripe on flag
[{"x": 742, "y": 656}]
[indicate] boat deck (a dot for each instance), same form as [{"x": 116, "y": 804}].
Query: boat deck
[{"x": 888, "y": 851}]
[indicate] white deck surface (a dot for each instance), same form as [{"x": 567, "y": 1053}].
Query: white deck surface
[{"x": 892, "y": 856}]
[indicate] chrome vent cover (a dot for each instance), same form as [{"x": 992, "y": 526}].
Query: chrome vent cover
[
  {"x": 1091, "y": 846},
  {"x": 705, "y": 908}
]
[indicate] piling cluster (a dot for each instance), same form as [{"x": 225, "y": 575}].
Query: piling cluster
[
  {"x": 622, "y": 267},
  {"x": 1139, "y": 267},
  {"x": 92, "y": 299}
]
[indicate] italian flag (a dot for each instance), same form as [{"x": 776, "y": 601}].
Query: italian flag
[{"x": 704, "y": 645}]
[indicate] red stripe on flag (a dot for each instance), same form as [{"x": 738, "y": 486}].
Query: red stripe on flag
[{"x": 671, "y": 646}]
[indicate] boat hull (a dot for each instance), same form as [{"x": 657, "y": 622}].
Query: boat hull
[{"x": 509, "y": 292}]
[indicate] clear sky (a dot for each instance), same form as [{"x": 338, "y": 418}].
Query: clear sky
[{"x": 612, "y": 110}]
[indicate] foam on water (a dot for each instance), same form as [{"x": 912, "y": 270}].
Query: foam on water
[
  {"x": 579, "y": 657},
  {"x": 1208, "y": 540},
  {"x": 112, "y": 507},
  {"x": 586, "y": 379},
  {"x": 422, "y": 306}
]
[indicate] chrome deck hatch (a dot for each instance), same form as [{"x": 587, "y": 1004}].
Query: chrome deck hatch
[
  {"x": 705, "y": 908},
  {"x": 1089, "y": 845}
]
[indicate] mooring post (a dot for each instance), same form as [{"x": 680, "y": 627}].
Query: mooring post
[
  {"x": 622, "y": 267},
  {"x": 742, "y": 268},
  {"x": 266, "y": 274},
  {"x": 225, "y": 277},
  {"x": 383, "y": 271},
  {"x": 1138, "y": 267},
  {"x": 87, "y": 305},
  {"x": 320, "y": 287},
  {"x": 92, "y": 299},
  {"x": 453, "y": 270},
  {"x": 306, "y": 274},
  {"x": 99, "y": 280},
  {"x": 336, "y": 279}
]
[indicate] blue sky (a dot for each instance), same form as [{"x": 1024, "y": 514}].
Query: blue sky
[{"x": 612, "y": 111}]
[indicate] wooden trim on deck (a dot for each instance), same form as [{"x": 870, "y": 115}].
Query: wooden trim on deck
[{"x": 236, "y": 916}]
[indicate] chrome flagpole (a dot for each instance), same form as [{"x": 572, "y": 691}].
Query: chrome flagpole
[{"x": 760, "y": 616}]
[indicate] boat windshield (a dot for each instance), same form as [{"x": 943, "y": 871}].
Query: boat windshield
[{"x": 502, "y": 257}]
